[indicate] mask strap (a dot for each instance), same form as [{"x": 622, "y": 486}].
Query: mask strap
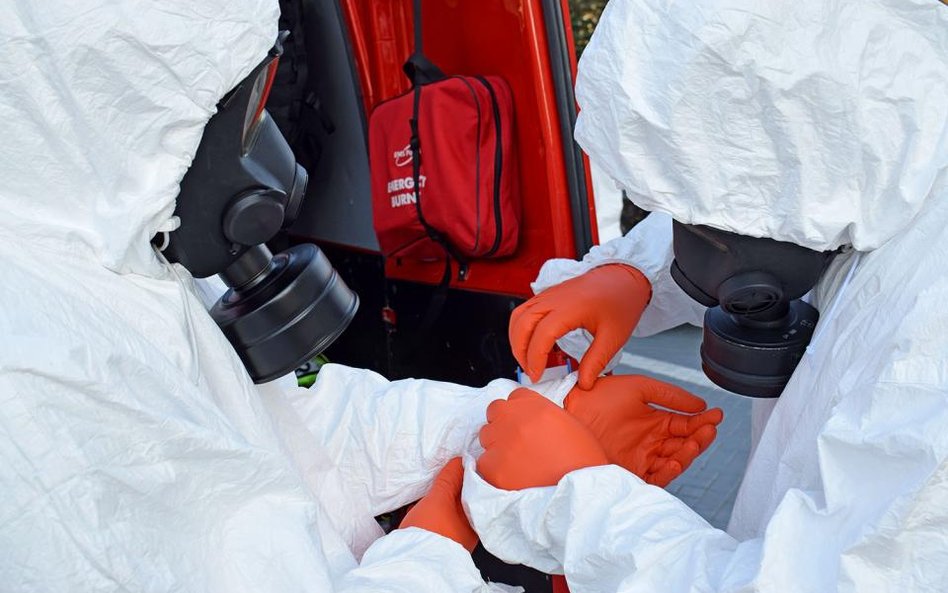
[
  {"x": 185, "y": 294},
  {"x": 839, "y": 296},
  {"x": 166, "y": 228}
]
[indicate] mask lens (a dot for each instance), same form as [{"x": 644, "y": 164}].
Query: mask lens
[{"x": 258, "y": 100}]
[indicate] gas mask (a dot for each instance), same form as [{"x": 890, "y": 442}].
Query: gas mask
[
  {"x": 756, "y": 329},
  {"x": 243, "y": 187}
]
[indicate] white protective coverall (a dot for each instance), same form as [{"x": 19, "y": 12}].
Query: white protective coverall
[
  {"x": 824, "y": 123},
  {"x": 135, "y": 453}
]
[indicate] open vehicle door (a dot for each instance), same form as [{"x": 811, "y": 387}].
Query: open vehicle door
[{"x": 343, "y": 58}]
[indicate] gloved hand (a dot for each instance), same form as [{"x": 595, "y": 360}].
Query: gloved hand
[
  {"x": 529, "y": 441},
  {"x": 440, "y": 510},
  {"x": 657, "y": 445},
  {"x": 606, "y": 301}
]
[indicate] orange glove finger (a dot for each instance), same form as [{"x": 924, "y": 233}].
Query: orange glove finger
[
  {"x": 488, "y": 435},
  {"x": 523, "y": 323},
  {"x": 704, "y": 436},
  {"x": 670, "y": 396},
  {"x": 495, "y": 409},
  {"x": 451, "y": 476},
  {"x": 489, "y": 466},
  {"x": 514, "y": 322},
  {"x": 683, "y": 426},
  {"x": 682, "y": 451},
  {"x": 547, "y": 331},
  {"x": 606, "y": 343},
  {"x": 671, "y": 446},
  {"x": 686, "y": 454},
  {"x": 502, "y": 412},
  {"x": 713, "y": 416},
  {"x": 665, "y": 475},
  {"x": 522, "y": 393},
  {"x": 658, "y": 464}
]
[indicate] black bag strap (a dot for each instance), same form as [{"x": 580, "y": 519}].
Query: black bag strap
[
  {"x": 417, "y": 68},
  {"x": 421, "y": 71}
]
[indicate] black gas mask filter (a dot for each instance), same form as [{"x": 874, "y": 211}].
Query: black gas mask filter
[
  {"x": 756, "y": 329},
  {"x": 243, "y": 187}
]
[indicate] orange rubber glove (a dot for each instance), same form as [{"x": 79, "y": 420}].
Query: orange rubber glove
[
  {"x": 529, "y": 441},
  {"x": 606, "y": 301},
  {"x": 440, "y": 510},
  {"x": 655, "y": 444}
]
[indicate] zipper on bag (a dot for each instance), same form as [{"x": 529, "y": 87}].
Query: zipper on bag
[{"x": 498, "y": 166}]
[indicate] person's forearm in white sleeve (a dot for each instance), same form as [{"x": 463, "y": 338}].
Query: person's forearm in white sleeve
[
  {"x": 609, "y": 532},
  {"x": 390, "y": 438},
  {"x": 413, "y": 560}
]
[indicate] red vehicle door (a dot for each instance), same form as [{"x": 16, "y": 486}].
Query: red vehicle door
[
  {"x": 343, "y": 58},
  {"x": 350, "y": 54}
]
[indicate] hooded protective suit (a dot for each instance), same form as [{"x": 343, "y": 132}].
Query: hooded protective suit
[
  {"x": 824, "y": 123},
  {"x": 135, "y": 453}
]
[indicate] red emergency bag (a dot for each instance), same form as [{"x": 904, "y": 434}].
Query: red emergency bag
[{"x": 441, "y": 159}]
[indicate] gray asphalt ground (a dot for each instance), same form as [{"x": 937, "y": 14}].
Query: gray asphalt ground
[{"x": 710, "y": 484}]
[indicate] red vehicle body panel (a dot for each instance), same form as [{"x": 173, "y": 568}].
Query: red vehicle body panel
[{"x": 489, "y": 37}]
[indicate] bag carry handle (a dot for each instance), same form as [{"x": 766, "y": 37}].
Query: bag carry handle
[{"x": 420, "y": 70}]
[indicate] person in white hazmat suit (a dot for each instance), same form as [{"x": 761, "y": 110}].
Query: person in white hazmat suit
[
  {"x": 135, "y": 452},
  {"x": 819, "y": 123}
]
